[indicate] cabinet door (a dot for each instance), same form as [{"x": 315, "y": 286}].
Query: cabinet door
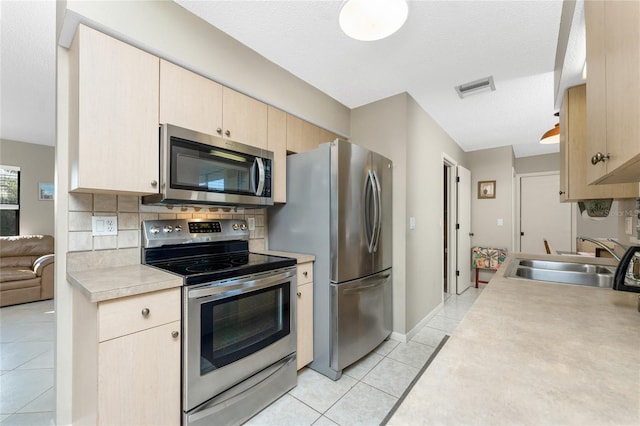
[
  {"x": 277, "y": 143},
  {"x": 622, "y": 44},
  {"x": 301, "y": 135},
  {"x": 326, "y": 136},
  {"x": 596, "y": 88},
  {"x": 244, "y": 119},
  {"x": 573, "y": 167},
  {"x": 189, "y": 100},
  {"x": 304, "y": 353},
  {"x": 114, "y": 115},
  {"x": 139, "y": 378}
]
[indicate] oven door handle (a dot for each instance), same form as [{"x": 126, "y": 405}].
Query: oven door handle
[{"x": 246, "y": 285}]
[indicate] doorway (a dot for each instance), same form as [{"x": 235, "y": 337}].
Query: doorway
[
  {"x": 456, "y": 223},
  {"x": 542, "y": 215}
]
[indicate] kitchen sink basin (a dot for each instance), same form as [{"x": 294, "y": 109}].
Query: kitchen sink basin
[{"x": 562, "y": 272}]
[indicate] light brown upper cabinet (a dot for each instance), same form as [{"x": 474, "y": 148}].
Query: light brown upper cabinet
[
  {"x": 113, "y": 126},
  {"x": 303, "y": 136},
  {"x": 189, "y": 100},
  {"x": 196, "y": 103},
  {"x": 277, "y": 143},
  {"x": 573, "y": 168},
  {"x": 244, "y": 119},
  {"x": 613, "y": 91}
]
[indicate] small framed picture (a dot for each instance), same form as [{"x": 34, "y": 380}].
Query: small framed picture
[
  {"x": 45, "y": 191},
  {"x": 487, "y": 189}
]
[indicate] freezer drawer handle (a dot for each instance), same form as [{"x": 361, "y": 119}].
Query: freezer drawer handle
[{"x": 377, "y": 283}]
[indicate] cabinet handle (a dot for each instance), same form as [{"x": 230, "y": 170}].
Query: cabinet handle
[
  {"x": 219, "y": 130},
  {"x": 154, "y": 183},
  {"x": 304, "y": 273},
  {"x": 174, "y": 334},
  {"x": 561, "y": 192},
  {"x": 227, "y": 132},
  {"x": 145, "y": 312},
  {"x": 599, "y": 157},
  {"x": 299, "y": 294}
]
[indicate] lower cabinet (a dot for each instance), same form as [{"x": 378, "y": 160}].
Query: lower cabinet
[
  {"x": 132, "y": 378},
  {"x": 305, "y": 314}
]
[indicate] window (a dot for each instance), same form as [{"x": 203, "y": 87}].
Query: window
[{"x": 9, "y": 200}]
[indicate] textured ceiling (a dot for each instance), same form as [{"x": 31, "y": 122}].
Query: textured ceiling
[
  {"x": 27, "y": 71},
  {"x": 442, "y": 44}
]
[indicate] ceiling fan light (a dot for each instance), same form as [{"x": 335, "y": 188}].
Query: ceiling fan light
[
  {"x": 369, "y": 20},
  {"x": 551, "y": 136}
]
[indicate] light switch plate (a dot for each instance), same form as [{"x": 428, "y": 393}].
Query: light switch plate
[
  {"x": 104, "y": 225},
  {"x": 628, "y": 229},
  {"x": 412, "y": 223},
  {"x": 500, "y": 222}
]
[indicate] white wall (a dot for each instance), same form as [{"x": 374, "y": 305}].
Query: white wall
[
  {"x": 400, "y": 129},
  {"x": 485, "y": 165},
  {"x": 36, "y": 166}
]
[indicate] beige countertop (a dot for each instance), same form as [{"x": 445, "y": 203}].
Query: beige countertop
[
  {"x": 534, "y": 353},
  {"x": 111, "y": 283},
  {"x": 300, "y": 257}
]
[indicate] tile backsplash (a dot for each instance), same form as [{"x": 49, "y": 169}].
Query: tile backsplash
[{"x": 89, "y": 252}]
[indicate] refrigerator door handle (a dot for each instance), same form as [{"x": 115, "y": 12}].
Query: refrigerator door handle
[
  {"x": 378, "y": 198},
  {"x": 370, "y": 226}
]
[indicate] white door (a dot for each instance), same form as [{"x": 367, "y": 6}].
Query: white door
[
  {"x": 464, "y": 230},
  {"x": 542, "y": 215}
]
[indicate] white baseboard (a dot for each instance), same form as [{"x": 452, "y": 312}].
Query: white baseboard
[{"x": 404, "y": 338}]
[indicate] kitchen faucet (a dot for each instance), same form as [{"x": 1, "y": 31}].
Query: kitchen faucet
[
  {"x": 619, "y": 244},
  {"x": 603, "y": 246}
]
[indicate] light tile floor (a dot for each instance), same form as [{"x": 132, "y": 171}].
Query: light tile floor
[
  {"x": 367, "y": 390},
  {"x": 27, "y": 334},
  {"x": 364, "y": 394}
]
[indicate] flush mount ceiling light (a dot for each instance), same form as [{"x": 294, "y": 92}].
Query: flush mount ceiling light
[
  {"x": 552, "y": 136},
  {"x": 475, "y": 87},
  {"x": 369, "y": 20}
]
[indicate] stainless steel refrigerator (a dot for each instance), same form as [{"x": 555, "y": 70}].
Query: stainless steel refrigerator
[{"x": 339, "y": 209}]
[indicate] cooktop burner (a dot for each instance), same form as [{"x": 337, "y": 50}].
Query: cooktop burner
[{"x": 201, "y": 252}]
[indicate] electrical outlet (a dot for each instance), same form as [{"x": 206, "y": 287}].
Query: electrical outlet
[
  {"x": 251, "y": 223},
  {"x": 104, "y": 225}
]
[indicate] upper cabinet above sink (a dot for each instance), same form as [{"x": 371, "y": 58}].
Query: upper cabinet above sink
[
  {"x": 573, "y": 151},
  {"x": 613, "y": 91}
]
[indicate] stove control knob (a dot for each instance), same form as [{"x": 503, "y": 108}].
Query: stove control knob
[
  {"x": 243, "y": 226},
  {"x": 178, "y": 228},
  {"x": 154, "y": 229},
  {"x": 235, "y": 226},
  {"x": 168, "y": 228}
]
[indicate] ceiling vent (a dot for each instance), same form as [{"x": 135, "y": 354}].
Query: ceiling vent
[{"x": 475, "y": 87}]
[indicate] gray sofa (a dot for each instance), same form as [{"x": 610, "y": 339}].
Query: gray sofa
[{"x": 26, "y": 269}]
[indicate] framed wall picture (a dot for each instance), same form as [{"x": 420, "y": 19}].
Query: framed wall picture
[
  {"x": 45, "y": 191},
  {"x": 487, "y": 189}
]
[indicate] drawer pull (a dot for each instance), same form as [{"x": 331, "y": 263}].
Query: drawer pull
[
  {"x": 174, "y": 334},
  {"x": 145, "y": 312},
  {"x": 299, "y": 294},
  {"x": 305, "y": 273}
]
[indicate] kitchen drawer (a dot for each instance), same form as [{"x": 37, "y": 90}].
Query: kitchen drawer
[
  {"x": 127, "y": 315},
  {"x": 305, "y": 273}
]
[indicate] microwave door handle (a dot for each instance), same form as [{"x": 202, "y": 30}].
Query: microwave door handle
[{"x": 261, "y": 176}]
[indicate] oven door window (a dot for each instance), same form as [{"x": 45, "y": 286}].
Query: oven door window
[
  {"x": 235, "y": 327},
  {"x": 200, "y": 167}
]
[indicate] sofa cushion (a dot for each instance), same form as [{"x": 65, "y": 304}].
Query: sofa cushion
[
  {"x": 26, "y": 245},
  {"x": 16, "y": 274},
  {"x": 12, "y": 285},
  {"x": 17, "y": 261}
]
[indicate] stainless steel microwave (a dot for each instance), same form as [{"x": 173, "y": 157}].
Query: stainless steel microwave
[{"x": 196, "y": 168}]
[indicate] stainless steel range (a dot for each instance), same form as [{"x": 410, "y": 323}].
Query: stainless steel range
[{"x": 238, "y": 317}]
